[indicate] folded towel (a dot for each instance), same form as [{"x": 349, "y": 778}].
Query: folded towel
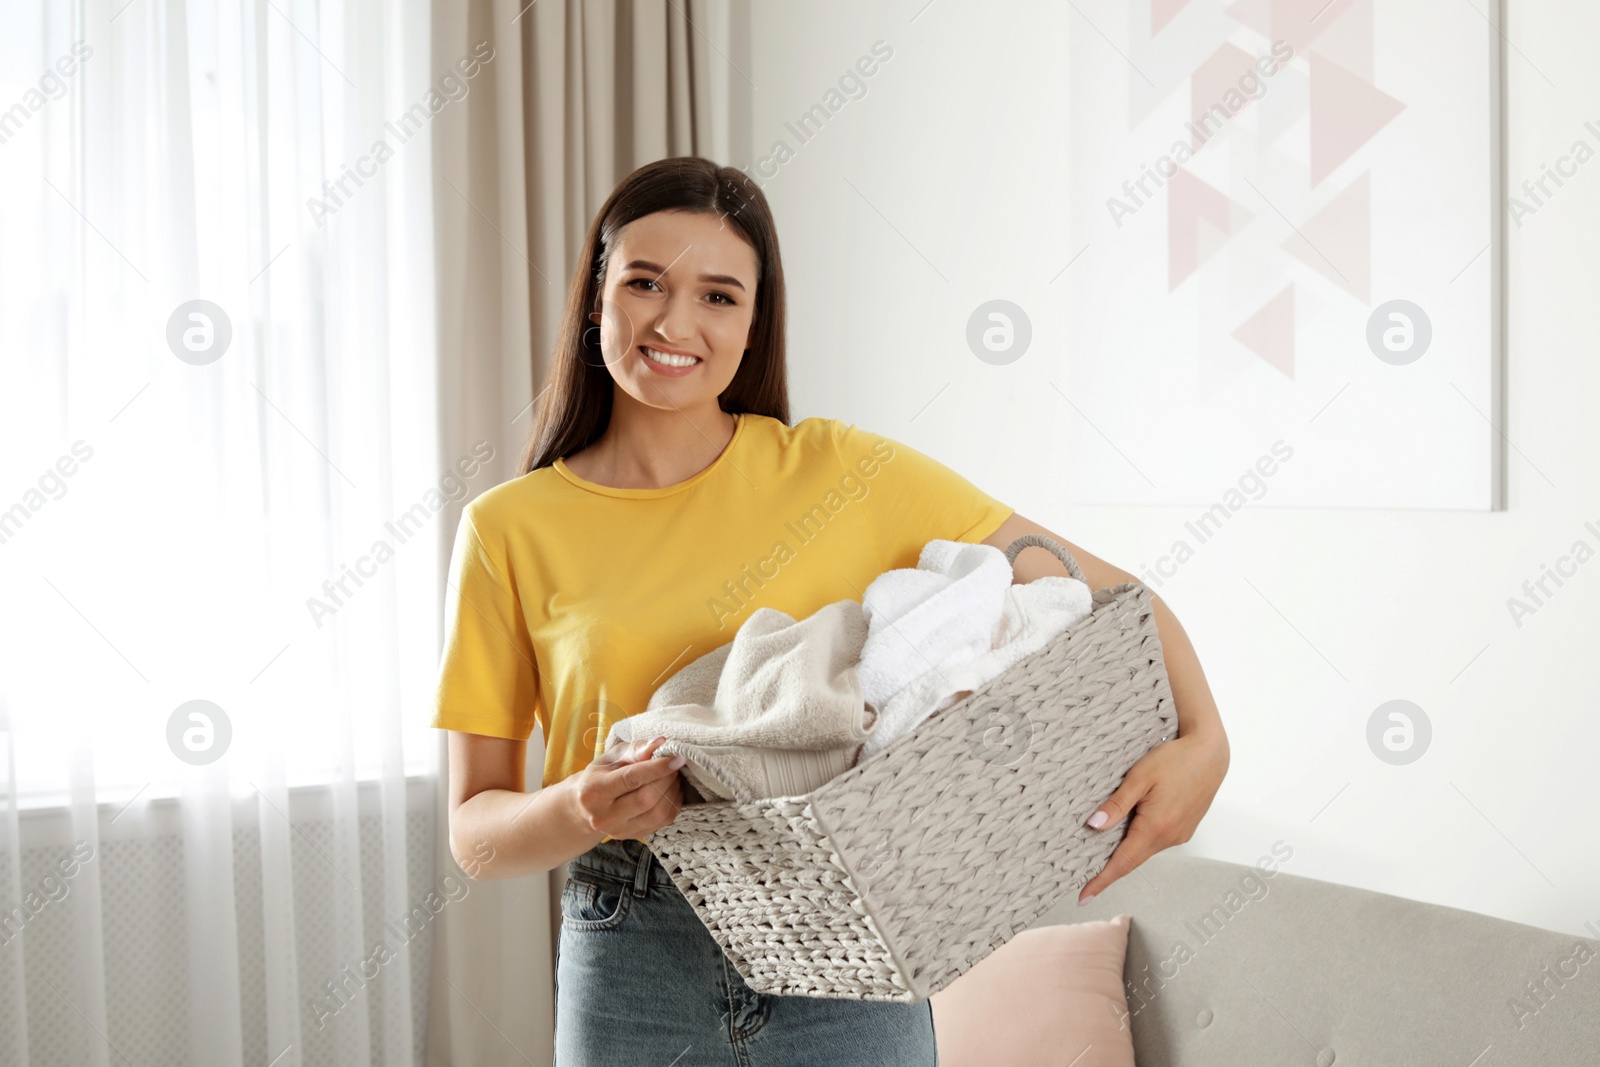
[
  {"x": 1034, "y": 613},
  {"x": 944, "y": 610},
  {"x": 777, "y": 711}
]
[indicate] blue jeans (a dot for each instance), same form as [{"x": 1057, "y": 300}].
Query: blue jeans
[{"x": 640, "y": 980}]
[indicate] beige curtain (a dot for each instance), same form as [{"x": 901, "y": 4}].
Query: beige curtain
[{"x": 576, "y": 96}]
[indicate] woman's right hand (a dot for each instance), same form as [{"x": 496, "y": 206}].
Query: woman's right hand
[{"x": 627, "y": 792}]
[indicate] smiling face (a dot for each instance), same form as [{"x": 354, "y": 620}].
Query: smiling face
[{"x": 680, "y": 286}]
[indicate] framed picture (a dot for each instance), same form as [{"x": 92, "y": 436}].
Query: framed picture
[{"x": 1286, "y": 287}]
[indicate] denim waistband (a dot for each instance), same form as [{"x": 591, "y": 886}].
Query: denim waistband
[{"x": 626, "y": 861}]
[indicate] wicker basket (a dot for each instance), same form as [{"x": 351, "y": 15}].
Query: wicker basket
[{"x": 894, "y": 878}]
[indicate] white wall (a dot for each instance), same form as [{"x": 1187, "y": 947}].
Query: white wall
[{"x": 954, "y": 164}]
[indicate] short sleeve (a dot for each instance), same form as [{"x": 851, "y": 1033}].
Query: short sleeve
[
  {"x": 488, "y": 679},
  {"x": 911, "y": 498}
]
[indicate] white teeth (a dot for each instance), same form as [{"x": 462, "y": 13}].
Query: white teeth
[{"x": 669, "y": 358}]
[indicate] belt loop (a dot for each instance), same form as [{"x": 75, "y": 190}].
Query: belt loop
[{"x": 641, "y": 876}]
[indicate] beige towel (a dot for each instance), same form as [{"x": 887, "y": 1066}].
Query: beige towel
[{"x": 775, "y": 712}]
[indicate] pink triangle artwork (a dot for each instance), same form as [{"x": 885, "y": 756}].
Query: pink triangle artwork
[{"x": 1262, "y": 190}]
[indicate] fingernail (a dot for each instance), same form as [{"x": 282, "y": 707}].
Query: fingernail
[
  {"x": 1086, "y": 899},
  {"x": 1097, "y": 820},
  {"x": 678, "y": 761}
]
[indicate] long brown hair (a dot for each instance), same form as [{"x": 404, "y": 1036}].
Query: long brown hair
[{"x": 575, "y": 406}]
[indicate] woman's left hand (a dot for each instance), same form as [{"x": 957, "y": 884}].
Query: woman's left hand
[{"x": 1168, "y": 790}]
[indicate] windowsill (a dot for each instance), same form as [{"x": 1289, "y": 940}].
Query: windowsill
[{"x": 136, "y": 813}]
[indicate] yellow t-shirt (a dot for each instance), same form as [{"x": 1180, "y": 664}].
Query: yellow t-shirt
[{"x": 570, "y": 603}]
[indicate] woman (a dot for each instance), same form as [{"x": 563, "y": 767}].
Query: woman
[{"x": 664, "y": 496}]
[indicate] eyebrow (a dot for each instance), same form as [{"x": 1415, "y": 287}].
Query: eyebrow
[{"x": 718, "y": 279}]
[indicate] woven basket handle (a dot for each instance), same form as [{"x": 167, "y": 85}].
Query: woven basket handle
[{"x": 1045, "y": 542}]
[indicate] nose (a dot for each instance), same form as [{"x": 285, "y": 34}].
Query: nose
[{"x": 676, "y": 322}]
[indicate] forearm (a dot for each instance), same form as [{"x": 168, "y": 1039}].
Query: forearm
[
  {"x": 521, "y": 833},
  {"x": 1191, "y": 695}
]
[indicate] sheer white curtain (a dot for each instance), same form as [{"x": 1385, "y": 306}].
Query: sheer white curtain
[{"x": 221, "y": 492}]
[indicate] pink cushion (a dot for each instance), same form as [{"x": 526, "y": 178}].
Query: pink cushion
[{"x": 1039, "y": 1000}]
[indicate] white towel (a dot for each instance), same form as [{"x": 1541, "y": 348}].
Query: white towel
[
  {"x": 944, "y": 610},
  {"x": 777, "y": 711},
  {"x": 954, "y": 577}
]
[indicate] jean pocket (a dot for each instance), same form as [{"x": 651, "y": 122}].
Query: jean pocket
[{"x": 594, "y": 905}]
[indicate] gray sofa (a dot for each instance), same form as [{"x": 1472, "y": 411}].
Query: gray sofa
[{"x": 1230, "y": 967}]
